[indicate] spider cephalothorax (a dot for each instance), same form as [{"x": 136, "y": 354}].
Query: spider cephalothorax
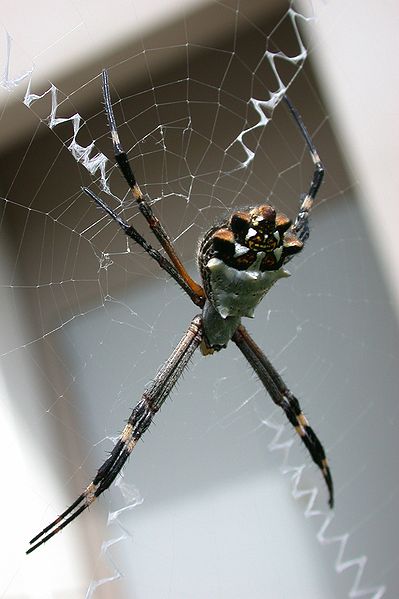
[
  {"x": 247, "y": 234},
  {"x": 239, "y": 261}
]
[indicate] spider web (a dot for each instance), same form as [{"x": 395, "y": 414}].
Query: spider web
[{"x": 88, "y": 319}]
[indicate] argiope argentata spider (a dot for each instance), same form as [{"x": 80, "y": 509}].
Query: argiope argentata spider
[{"x": 239, "y": 260}]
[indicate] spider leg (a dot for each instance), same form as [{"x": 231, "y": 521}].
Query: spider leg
[
  {"x": 283, "y": 397},
  {"x": 301, "y": 225},
  {"x": 139, "y": 420},
  {"x": 130, "y": 231},
  {"x": 146, "y": 210}
]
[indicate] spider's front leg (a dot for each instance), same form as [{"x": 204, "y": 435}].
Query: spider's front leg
[
  {"x": 283, "y": 397},
  {"x": 140, "y": 419},
  {"x": 301, "y": 226},
  {"x": 197, "y": 292},
  {"x": 163, "y": 262}
]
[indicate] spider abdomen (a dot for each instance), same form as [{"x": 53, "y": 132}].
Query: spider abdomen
[
  {"x": 235, "y": 292},
  {"x": 232, "y": 294}
]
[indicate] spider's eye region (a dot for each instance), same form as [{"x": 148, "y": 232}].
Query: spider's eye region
[{"x": 259, "y": 230}]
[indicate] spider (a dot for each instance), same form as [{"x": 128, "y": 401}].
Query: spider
[{"x": 239, "y": 260}]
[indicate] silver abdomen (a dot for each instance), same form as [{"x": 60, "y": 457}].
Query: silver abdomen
[{"x": 237, "y": 292}]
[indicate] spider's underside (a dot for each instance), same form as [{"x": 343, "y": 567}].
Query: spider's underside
[{"x": 239, "y": 261}]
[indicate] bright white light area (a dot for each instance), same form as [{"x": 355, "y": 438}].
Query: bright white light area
[
  {"x": 26, "y": 472},
  {"x": 362, "y": 93},
  {"x": 70, "y": 33}
]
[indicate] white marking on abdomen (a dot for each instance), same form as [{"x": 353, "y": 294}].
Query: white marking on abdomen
[{"x": 238, "y": 292}]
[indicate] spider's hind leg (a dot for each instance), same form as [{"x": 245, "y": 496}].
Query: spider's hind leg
[
  {"x": 139, "y": 421},
  {"x": 283, "y": 397}
]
